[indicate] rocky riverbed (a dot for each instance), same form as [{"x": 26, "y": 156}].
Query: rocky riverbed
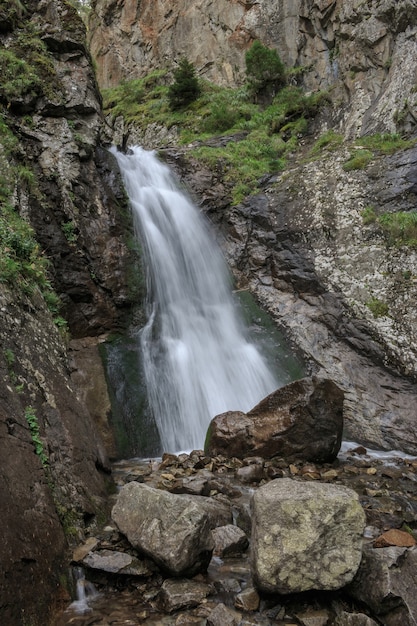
[{"x": 132, "y": 590}]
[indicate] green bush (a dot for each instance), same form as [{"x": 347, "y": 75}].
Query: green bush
[
  {"x": 185, "y": 88},
  {"x": 265, "y": 72},
  {"x": 32, "y": 420}
]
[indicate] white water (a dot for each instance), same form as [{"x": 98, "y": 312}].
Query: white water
[{"x": 198, "y": 362}]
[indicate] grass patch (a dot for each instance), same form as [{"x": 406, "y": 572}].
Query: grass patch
[
  {"x": 270, "y": 133},
  {"x": 370, "y": 146},
  {"x": 377, "y": 307},
  {"x": 400, "y": 229},
  {"x": 328, "y": 141}
]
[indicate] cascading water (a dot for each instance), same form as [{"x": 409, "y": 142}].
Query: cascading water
[{"x": 198, "y": 362}]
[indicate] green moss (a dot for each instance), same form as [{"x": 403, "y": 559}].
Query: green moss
[
  {"x": 400, "y": 229},
  {"x": 368, "y": 147},
  {"x": 368, "y": 215}
]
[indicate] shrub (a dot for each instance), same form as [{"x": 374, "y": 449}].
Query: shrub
[
  {"x": 185, "y": 89},
  {"x": 265, "y": 71}
]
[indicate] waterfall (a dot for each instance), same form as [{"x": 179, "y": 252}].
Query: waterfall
[{"x": 198, "y": 360}]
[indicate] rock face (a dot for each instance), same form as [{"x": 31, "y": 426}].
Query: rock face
[
  {"x": 54, "y": 468},
  {"x": 363, "y": 50},
  {"x": 305, "y": 536},
  {"x": 386, "y": 583},
  {"x": 173, "y": 529},
  {"x": 303, "y": 420}
]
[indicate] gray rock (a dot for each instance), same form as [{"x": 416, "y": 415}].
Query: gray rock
[
  {"x": 223, "y": 616},
  {"x": 181, "y": 594},
  {"x": 305, "y": 536},
  {"x": 354, "y": 619},
  {"x": 229, "y": 540},
  {"x": 386, "y": 582},
  {"x": 303, "y": 420},
  {"x": 115, "y": 562},
  {"x": 171, "y": 529}
]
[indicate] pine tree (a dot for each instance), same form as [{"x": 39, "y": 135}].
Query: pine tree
[
  {"x": 265, "y": 71},
  {"x": 186, "y": 88}
]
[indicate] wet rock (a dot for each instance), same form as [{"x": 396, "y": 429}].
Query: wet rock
[
  {"x": 386, "y": 582},
  {"x": 247, "y": 600},
  {"x": 229, "y": 541},
  {"x": 81, "y": 551},
  {"x": 303, "y": 420},
  {"x": 315, "y": 530},
  {"x": 354, "y": 619},
  {"x": 114, "y": 562},
  {"x": 313, "y": 617},
  {"x": 181, "y": 594},
  {"x": 171, "y": 529},
  {"x": 223, "y": 616}
]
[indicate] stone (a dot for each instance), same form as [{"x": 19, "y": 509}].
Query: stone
[
  {"x": 247, "y": 600},
  {"x": 386, "y": 582},
  {"x": 115, "y": 562},
  {"x": 181, "y": 594},
  {"x": 305, "y": 535},
  {"x": 221, "y": 615},
  {"x": 229, "y": 540},
  {"x": 302, "y": 420},
  {"x": 344, "y": 618},
  {"x": 81, "y": 551},
  {"x": 319, "y": 617},
  {"x": 395, "y": 537},
  {"x": 173, "y": 530}
]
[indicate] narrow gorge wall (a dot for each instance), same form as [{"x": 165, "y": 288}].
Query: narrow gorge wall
[{"x": 54, "y": 471}]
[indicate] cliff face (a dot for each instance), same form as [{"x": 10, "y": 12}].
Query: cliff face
[
  {"x": 364, "y": 52},
  {"x": 54, "y": 468}
]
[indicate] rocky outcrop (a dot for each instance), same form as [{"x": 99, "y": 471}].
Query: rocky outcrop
[
  {"x": 302, "y": 420},
  {"x": 363, "y": 51},
  {"x": 305, "y": 536}
]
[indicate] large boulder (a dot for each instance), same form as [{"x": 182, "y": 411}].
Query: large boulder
[
  {"x": 305, "y": 536},
  {"x": 303, "y": 420},
  {"x": 173, "y": 530}
]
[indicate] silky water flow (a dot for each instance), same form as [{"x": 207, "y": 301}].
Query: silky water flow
[{"x": 198, "y": 360}]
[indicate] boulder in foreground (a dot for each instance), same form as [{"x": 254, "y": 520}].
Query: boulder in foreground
[
  {"x": 303, "y": 420},
  {"x": 305, "y": 536},
  {"x": 174, "y": 531}
]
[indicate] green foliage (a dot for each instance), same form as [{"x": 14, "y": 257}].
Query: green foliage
[
  {"x": 266, "y": 134},
  {"x": 371, "y": 145},
  {"x": 368, "y": 215},
  {"x": 32, "y": 420},
  {"x": 358, "y": 160},
  {"x": 265, "y": 72},
  {"x": 385, "y": 143},
  {"x": 10, "y": 357},
  {"x": 70, "y": 232},
  {"x": 329, "y": 141},
  {"x": 26, "y": 67},
  {"x": 377, "y": 307},
  {"x": 185, "y": 88},
  {"x": 400, "y": 228}
]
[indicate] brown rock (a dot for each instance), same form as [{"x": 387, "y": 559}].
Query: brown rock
[
  {"x": 395, "y": 537},
  {"x": 303, "y": 420}
]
